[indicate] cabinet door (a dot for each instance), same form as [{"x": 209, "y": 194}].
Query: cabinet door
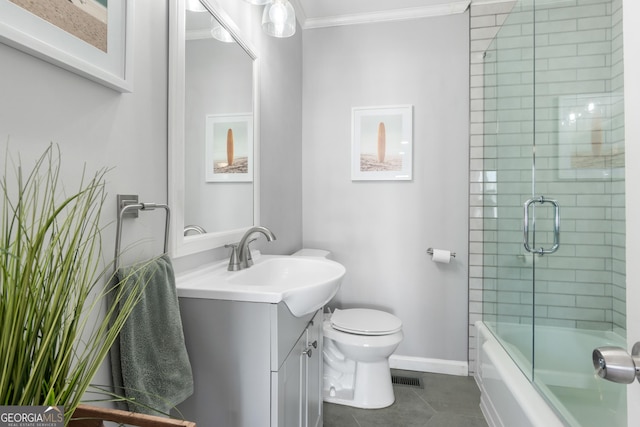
[
  {"x": 297, "y": 385},
  {"x": 291, "y": 385},
  {"x": 314, "y": 372}
]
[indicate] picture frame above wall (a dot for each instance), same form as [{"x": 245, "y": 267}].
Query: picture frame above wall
[
  {"x": 229, "y": 148},
  {"x": 91, "y": 38},
  {"x": 382, "y": 143}
]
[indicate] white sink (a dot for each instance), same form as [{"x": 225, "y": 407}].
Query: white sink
[{"x": 304, "y": 284}]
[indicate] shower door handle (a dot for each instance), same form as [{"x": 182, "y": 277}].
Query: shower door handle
[{"x": 556, "y": 225}]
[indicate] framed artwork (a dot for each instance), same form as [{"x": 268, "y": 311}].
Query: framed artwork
[
  {"x": 92, "y": 38},
  {"x": 588, "y": 146},
  {"x": 381, "y": 143},
  {"x": 229, "y": 148}
]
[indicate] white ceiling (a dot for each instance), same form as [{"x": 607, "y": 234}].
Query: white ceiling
[{"x": 327, "y": 13}]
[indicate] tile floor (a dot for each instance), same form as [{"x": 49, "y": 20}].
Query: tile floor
[{"x": 445, "y": 401}]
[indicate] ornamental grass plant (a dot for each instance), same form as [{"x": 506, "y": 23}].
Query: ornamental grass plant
[{"x": 53, "y": 284}]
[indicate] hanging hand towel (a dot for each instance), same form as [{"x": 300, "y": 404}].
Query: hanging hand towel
[{"x": 149, "y": 362}]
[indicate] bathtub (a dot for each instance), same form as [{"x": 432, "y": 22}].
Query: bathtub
[{"x": 565, "y": 392}]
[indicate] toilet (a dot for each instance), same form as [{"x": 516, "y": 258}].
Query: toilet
[{"x": 357, "y": 346}]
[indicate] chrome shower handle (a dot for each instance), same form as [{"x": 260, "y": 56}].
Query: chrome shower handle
[{"x": 556, "y": 226}]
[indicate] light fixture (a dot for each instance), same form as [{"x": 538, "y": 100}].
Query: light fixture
[
  {"x": 219, "y": 32},
  {"x": 194, "y": 6},
  {"x": 279, "y": 19},
  {"x": 258, "y": 2}
]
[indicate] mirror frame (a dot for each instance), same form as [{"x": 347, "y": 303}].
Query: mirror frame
[{"x": 179, "y": 246}]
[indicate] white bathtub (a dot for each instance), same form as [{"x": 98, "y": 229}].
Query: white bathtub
[{"x": 573, "y": 395}]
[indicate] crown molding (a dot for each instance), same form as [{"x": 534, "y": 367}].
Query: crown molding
[
  {"x": 301, "y": 16},
  {"x": 384, "y": 16}
]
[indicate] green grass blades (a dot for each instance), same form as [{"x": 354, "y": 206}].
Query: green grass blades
[{"x": 52, "y": 286}]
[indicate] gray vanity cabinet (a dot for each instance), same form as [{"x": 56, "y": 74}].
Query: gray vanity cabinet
[
  {"x": 298, "y": 381},
  {"x": 254, "y": 364}
]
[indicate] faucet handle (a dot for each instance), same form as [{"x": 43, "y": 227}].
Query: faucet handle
[
  {"x": 234, "y": 262},
  {"x": 249, "y": 259}
]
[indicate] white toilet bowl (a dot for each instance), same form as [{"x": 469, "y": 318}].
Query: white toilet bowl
[{"x": 357, "y": 346}]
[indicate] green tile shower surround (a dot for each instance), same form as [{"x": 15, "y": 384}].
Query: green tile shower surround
[
  {"x": 578, "y": 51},
  {"x": 485, "y": 21},
  {"x": 547, "y": 119}
]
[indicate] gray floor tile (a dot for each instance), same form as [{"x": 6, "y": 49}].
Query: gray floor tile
[
  {"x": 338, "y": 415},
  {"x": 445, "y": 401},
  {"x": 407, "y": 411}
]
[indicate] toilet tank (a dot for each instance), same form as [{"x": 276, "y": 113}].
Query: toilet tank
[{"x": 318, "y": 253}]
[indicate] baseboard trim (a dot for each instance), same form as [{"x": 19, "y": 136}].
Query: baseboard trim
[{"x": 436, "y": 366}]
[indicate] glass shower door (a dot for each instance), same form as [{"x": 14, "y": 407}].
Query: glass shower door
[
  {"x": 554, "y": 191},
  {"x": 579, "y": 291}
]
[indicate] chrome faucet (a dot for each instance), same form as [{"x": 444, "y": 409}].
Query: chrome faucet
[
  {"x": 195, "y": 228},
  {"x": 241, "y": 254}
]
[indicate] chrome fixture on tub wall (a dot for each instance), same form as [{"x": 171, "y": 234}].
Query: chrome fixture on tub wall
[{"x": 615, "y": 364}]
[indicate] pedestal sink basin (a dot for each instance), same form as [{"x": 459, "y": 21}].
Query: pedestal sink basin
[{"x": 303, "y": 284}]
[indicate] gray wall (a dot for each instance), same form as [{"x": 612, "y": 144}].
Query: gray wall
[
  {"x": 92, "y": 124},
  {"x": 380, "y": 230},
  {"x": 281, "y": 141},
  {"x": 97, "y": 126}
]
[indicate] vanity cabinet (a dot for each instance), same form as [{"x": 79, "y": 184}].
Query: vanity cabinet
[
  {"x": 297, "y": 393},
  {"x": 254, "y": 364}
]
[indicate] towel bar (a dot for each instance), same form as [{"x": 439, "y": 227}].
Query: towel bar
[{"x": 128, "y": 205}]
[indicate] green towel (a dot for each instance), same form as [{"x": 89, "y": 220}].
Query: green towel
[{"x": 149, "y": 362}]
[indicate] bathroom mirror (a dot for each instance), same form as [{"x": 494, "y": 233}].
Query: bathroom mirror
[{"x": 213, "y": 134}]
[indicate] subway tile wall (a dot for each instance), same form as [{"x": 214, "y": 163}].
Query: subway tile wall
[
  {"x": 485, "y": 22},
  {"x": 573, "y": 106}
]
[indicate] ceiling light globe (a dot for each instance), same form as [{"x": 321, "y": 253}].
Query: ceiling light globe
[
  {"x": 279, "y": 19},
  {"x": 278, "y": 14}
]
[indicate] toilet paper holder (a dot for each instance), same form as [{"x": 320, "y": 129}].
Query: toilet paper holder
[{"x": 430, "y": 252}]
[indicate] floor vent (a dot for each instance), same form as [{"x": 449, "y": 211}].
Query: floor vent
[{"x": 407, "y": 381}]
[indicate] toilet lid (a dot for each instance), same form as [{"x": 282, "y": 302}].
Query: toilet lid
[{"x": 364, "y": 321}]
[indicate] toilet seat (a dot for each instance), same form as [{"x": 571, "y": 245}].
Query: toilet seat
[{"x": 364, "y": 321}]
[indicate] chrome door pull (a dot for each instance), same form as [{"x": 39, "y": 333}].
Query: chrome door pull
[
  {"x": 615, "y": 364},
  {"x": 556, "y": 226}
]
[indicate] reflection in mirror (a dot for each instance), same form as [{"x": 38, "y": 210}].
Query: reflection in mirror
[
  {"x": 218, "y": 191},
  {"x": 212, "y": 142}
]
